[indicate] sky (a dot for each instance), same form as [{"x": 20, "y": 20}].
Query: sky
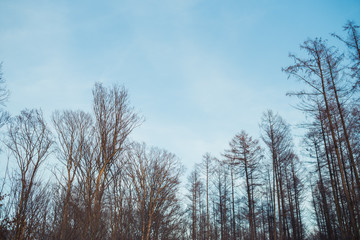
[{"x": 198, "y": 71}]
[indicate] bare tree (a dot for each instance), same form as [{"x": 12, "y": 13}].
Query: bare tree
[
  {"x": 155, "y": 176},
  {"x": 73, "y": 131},
  {"x": 246, "y": 153},
  {"x": 286, "y": 184},
  {"x": 114, "y": 121},
  {"x": 207, "y": 167},
  {"x": 29, "y": 141},
  {"x": 221, "y": 199},
  {"x": 320, "y": 72},
  {"x": 195, "y": 186}
]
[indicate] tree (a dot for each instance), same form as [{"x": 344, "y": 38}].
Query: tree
[
  {"x": 29, "y": 141},
  {"x": 207, "y": 169},
  {"x": 115, "y": 119},
  {"x": 246, "y": 153},
  {"x": 221, "y": 200},
  {"x": 321, "y": 73},
  {"x": 195, "y": 186},
  {"x": 313, "y": 143},
  {"x": 286, "y": 183},
  {"x": 155, "y": 176},
  {"x": 73, "y": 132}
]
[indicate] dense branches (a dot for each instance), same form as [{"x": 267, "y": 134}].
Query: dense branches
[
  {"x": 29, "y": 141},
  {"x": 329, "y": 101},
  {"x": 245, "y": 153},
  {"x": 154, "y": 175}
]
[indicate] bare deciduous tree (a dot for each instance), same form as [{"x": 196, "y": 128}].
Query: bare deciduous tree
[
  {"x": 320, "y": 71},
  {"x": 155, "y": 175},
  {"x": 29, "y": 141},
  {"x": 73, "y": 131},
  {"x": 246, "y": 153}
]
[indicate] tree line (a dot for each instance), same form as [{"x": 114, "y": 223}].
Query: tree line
[
  {"x": 263, "y": 189},
  {"x": 106, "y": 186}
]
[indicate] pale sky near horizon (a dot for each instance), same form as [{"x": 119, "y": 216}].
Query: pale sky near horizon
[{"x": 198, "y": 71}]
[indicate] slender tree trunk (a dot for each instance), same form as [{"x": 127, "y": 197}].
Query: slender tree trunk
[
  {"x": 251, "y": 223},
  {"x": 323, "y": 197},
  {"x": 333, "y": 185},
  {"x": 233, "y": 203},
  {"x": 207, "y": 202},
  {"x": 278, "y": 201},
  {"x": 351, "y": 155}
]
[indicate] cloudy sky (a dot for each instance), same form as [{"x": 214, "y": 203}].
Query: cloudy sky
[{"x": 199, "y": 71}]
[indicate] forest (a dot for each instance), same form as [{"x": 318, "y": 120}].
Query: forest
[{"x": 106, "y": 186}]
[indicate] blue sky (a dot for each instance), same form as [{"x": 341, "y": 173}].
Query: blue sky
[{"x": 198, "y": 71}]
